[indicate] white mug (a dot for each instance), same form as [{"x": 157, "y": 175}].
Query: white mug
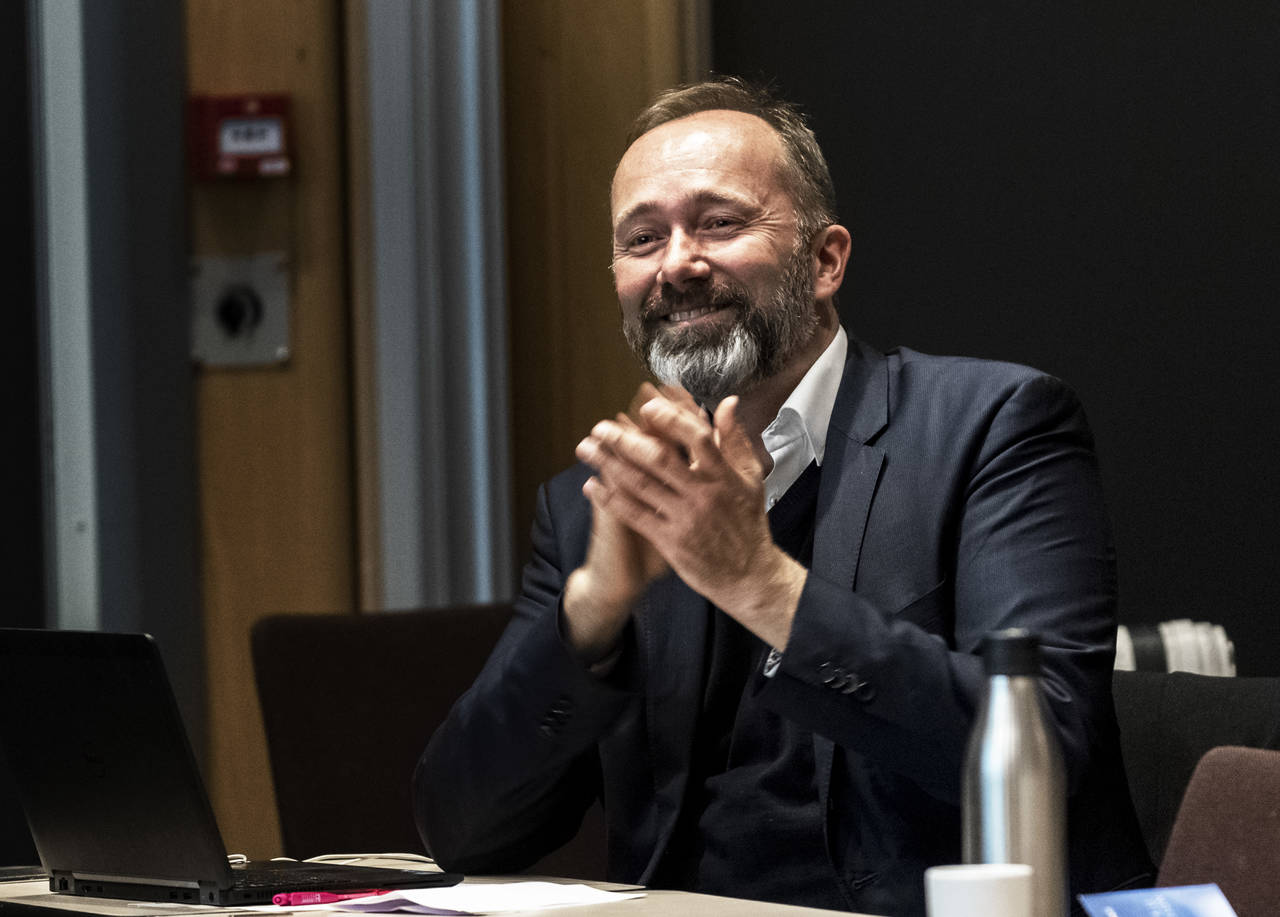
[{"x": 978, "y": 890}]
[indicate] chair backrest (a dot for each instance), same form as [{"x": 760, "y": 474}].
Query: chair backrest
[
  {"x": 1228, "y": 830},
  {"x": 349, "y": 702},
  {"x": 1167, "y": 723}
]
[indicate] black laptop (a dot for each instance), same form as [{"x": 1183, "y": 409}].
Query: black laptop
[{"x": 110, "y": 786}]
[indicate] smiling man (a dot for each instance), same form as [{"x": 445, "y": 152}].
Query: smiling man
[
  {"x": 706, "y": 191},
  {"x": 751, "y": 620}
]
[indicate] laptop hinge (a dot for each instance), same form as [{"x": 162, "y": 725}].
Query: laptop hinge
[{"x": 134, "y": 880}]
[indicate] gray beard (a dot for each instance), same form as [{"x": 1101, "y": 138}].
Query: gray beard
[
  {"x": 712, "y": 372},
  {"x": 712, "y": 364}
]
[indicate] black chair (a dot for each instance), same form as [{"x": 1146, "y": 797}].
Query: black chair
[
  {"x": 1168, "y": 721},
  {"x": 349, "y": 701}
]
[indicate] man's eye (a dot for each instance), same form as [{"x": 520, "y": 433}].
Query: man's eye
[
  {"x": 642, "y": 240},
  {"x": 722, "y": 223}
]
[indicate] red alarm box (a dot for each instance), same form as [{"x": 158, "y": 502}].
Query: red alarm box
[{"x": 243, "y": 136}]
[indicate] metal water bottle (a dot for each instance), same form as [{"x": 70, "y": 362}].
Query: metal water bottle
[{"x": 1014, "y": 792}]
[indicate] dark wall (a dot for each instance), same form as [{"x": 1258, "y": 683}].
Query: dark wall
[
  {"x": 23, "y": 571},
  {"x": 1093, "y": 189},
  {"x": 23, "y": 587}
]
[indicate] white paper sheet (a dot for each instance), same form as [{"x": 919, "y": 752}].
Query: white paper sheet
[{"x": 494, "y": 898}]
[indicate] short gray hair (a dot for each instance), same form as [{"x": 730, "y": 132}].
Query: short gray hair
[{"x": 805, "y": 168}]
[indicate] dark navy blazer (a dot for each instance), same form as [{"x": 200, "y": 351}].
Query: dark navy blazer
[{"x": 957, "y": 496}]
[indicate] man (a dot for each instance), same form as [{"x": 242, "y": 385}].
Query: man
[{"x": 751, "y": 617}]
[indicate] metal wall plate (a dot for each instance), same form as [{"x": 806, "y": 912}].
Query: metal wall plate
[{"x": 240, "y": 309}]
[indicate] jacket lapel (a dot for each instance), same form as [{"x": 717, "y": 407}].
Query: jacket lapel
[
  {"x": 850, "y": 472},
  {"x": 851, "y": 466}
]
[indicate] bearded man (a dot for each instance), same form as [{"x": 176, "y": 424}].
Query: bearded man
[{"x": 751, "y": 620}]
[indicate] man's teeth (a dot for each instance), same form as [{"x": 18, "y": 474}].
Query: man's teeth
[{"x": 692, "y": 313}]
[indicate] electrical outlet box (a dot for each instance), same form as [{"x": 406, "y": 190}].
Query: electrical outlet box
[{"x": 240, "y": 310}]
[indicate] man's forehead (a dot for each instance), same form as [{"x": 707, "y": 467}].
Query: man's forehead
[
  {"x": 693, "y": 133},
  {"x": 714, "y": 139}
]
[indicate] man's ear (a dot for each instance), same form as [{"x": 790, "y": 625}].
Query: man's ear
[{"x": 831, "y": 255}]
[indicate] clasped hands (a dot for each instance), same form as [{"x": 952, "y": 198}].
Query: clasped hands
[{"x": 676, "y": 491}]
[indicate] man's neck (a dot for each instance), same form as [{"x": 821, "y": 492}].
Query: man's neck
[{"x": 758, "y": 407}]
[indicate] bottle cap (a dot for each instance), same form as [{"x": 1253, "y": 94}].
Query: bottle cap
[{"x": 1011, "y": 652}]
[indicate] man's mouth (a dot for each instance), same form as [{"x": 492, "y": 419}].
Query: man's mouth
[{"x": 690, "y": 314}]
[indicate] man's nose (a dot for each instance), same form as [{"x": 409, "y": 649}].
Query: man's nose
[{"x": 683, "y": 260}]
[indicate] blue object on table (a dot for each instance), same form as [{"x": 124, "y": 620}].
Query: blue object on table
[{"x": 1176, "y": 901}]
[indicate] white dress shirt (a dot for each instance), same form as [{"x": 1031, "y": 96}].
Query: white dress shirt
[{"x": 798, "y": 435}]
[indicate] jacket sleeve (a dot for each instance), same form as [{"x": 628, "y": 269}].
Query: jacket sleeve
[
  {"x": 508, "y": 775},
  {"x": 1024, "y": 542}
]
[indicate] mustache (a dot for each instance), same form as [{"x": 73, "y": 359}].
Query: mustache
[{"x": 668, "y": 299}]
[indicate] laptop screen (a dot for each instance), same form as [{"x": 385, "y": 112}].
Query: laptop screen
[{"x": 101, "y": 760}]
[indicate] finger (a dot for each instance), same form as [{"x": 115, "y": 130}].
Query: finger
[
  {"x": 671, "y": 395},
  {"x": 589, "y": 451},
  {"x": 692, "y": 431},
  {"x": 678, "y": 395},
  {"x": 654, "y": 455},
  {"x": 618, "y": 474},
  {"x": 732, "y": 437},
  {"x": 593, "y": 451},
  {"x": 646, "y": 392},
  {"x": 643, "y": 519}
]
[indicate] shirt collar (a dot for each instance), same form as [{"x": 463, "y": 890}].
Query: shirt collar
[
  {"x": 810, "y": 403},
  {"x": 798, "y": 435}
]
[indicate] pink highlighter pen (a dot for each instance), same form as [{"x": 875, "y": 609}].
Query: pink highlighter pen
[{"x": 298, "y": 899}]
